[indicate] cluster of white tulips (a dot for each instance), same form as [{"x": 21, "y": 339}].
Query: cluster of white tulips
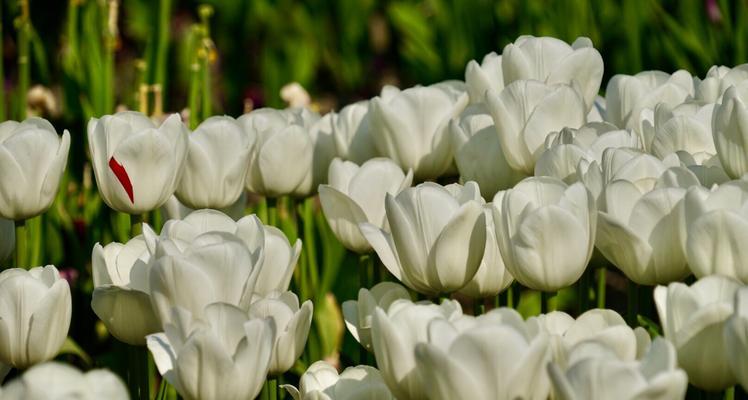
[{"x": 648, "y": 178}]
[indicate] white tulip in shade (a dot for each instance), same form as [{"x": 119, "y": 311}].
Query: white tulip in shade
[
  {"x": 174, "y": 209},
  {"x": 693, "y": 319},
  {"x": 717, "y": 80},
  {"x": 685, "y": 127},
  {"x": 605, "y": 377},
  {"x": 54, "y": 380},
  {"x": 356, "y": 195},
  {"x": 32, "y": 160},
  {"x": 7, "y": 238},
  {"x": 481, "y": 77},
  {"x": 358, "y": 313},
  {"x": 220, "y": 356},
  {"x": 291, "y": 327},
  {"x": 35, "y": 311},
  {"x": 551, "y": 60},
  {"x": 352, "y": 135},
  {"x": 438, "y": 237},
  {"x": 736, "y": 338},
  {"x": 546, "y": 231},
  {"x": 321, "y": 381},
  {"x": 137, "y": 165},
  {"x": 526, "y": 111},
  {"x": 730, "y": 129},
  {"x": 121, "y": 297},
  {"x": 411, "y": 127},
  {"x": 216, "y": 166}
]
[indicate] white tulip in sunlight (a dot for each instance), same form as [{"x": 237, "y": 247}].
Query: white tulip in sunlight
[
  {"x": 478, "y": 153},
  {"x": 216, "y": 165},
  {"x": 730, "y": 129},
  {"x": 395, "y": 334},
  {"x": 32, "y": 160},
  {"x": 627, "y": 96},
  {"x": 35, "y": 311},
  {"x": 526, "y": 111},
  {"x": 546, "y": 231},
  {"x": 495, "y": 358},
  {"x": 121, "y": 297},
  {"x": 7, "y": 238},
  {"x": 222, "y": 355},
  {"x": 291, "y": 323},
  {"x": 551, "y": 60},
  {"x": 321, "y": 381},
  {"x": 358, "y": 313},
  {"x": 736, "y": 338},
  {"x": 685, "y": 127},
  {"x": 693, "y": 319},
  {"x": 137, "y": 165},
  {"x": 174, "y": 209},
  {"x": 356, "y": 195},
  {"x": 438, "y": 236},
  {"x": 411, "y": 127},
  {"x": 708, "y": 170},
  {"x": 481, "y": 77},
  {"x": 717, "y": 80},
  {"x": 352, "y": 135},
  {"x": 54, "y": 380},
  {"x": 716, "y": 221},
  {"x": 605, "y": 377}
]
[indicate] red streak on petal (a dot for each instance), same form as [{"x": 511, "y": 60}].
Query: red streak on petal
[{"x": 124, "y": 179}]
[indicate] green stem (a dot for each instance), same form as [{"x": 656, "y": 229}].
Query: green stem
[
  {"x": 136, "y": 224},
  {"x": 601, "y": 287},
  {"x": 137, "y": 372},
  {"x": 162, "y": 42},
  {"x": 34, "y": 234},
  {"x": 272, "y": 211},
  {"x": 309, "y": 241},
  {"x": 21, "y": 245},
  {"x": 365, "y": 263},
  {"x": 545, "y": 298},
  {"x": 262, "y": 211},
  {"x": 584, "y": 291},
  {"x": 632, "y": 303},
  {"x": 24, "y": 27},
  {"x": 206, "y": 12},
  {"x": 194, "y": 92}
]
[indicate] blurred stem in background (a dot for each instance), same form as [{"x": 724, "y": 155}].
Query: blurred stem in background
[
  {"x": 21, "y": 250},
  {"x": 203, "y": 53},
  {"x": 2, "y": 72},
  {"x": 23, "y": 26}
]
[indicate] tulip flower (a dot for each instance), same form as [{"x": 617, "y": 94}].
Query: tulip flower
[
  {"x": 356, "y": 195},
  {"x": 708, "y": 169},
  {"x": 7, "y": 238},
  {"x": 730, "y": 129},
  {"x": 486, "y": 361},
  {"x": 35, "y": 311},
  {"x": 222, "y": 355},
  {"x": 717, "y": 80},
  {"x": 174, "y": 209},
  {"x": 216, "y": 165},
  {"x": 358, "y": 314},
  {"x": 352, "y": 135},
  {"x": 481, "y": 77},
  {"x": 478, "y": 152},
  {"x": 121, "y": 297},
  {"x": 693, "y": 319},
  {"x": 396, "y": 332},
  {"x": 551, "y": 60},
  {"x": 686, "y": 127},
  {"x": 655, "y": 377},
  {"x": 438, "y": 237},
  {"x": 410, "y": 127},
  {"x": 32, "y": 160},
  {"x": 322, "y": 382},
  {"x": 526, "y": 111},
  {"x": 291, "y": 327},
  {"x": 54, "y": 380},
  {"x": 627, "y": 95},
  {"x": 137, "y": 165},
  {"x": 540, "y": 219},
  {"x": 736, "y": 338},
  {"x": 714, "y": 219}
]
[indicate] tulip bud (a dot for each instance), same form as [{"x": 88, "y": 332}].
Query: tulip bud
[
  {"x": 730, "y": 128},
  {"x": 481, "y": 77},
  {"x": 717, "y": 80},
  {"x": 321, "y": 381},
  {"x": 359, "y": 313},
  {"x": 352, "y": 135}
]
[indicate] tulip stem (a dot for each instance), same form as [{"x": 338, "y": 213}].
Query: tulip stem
[
  {"x": 632, "y": 302},
  {"x": 601, "y": 272},
  {"x": 311, "y": 247},
  {"x": 584, "y": 291},
  {"x": 262, "y": 211},
  {"x": 272, "y": 211},
  {"x": 137, "y": 372},
  {"x": 136, "y": 224},
  {"x": 21, "y": 245}
]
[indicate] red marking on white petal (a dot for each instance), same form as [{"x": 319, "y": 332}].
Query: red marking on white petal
[{"x": 124, "y": 179}]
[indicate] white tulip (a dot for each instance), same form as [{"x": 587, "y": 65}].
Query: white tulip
[
  {"x": 717, "y": 80},
  {"x": 121, "y": 297},
  {"x": 322, "y": 382},
  {"x": 7, "y": 238},
  {"x": 358, "y": 314},
  {"x": 174, "y": 209},
  {"x": 655, "y": 377},
  {"x": 54, "y": 380},
  {"x": 438, "y": 237},
  {"x": 352, "y": 135},
  {"x": 35, "y": 311},
  {"x": 526, "y": 111},
  {"x": 411, "y": 127},
  {"x": 32, "y": 161},
  {"x": 478, "y": 152},
  {"x": 216, "y": 165},
  {"x": 551, "y": 60},
  {"x": 627, "y": 95},
  {"x": 730, "y": 128},
  {"x": 708, "y": 169},
  {"x": 736, "y": 338},
  {"x": 539, "y": 220},
  {"x": 481, "y": 77},
  {"x": 693, "y": 319},
  {"x": 222, "y": 355},
  {"x": 395, "y": 334},
  {"x": 685, "y": 127},
  {"x": 291, "y": 327}
]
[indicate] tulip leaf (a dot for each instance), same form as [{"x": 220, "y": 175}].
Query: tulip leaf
[
  {"x": 73, "y": 348},
  {"x": 652, "y": 328}
]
